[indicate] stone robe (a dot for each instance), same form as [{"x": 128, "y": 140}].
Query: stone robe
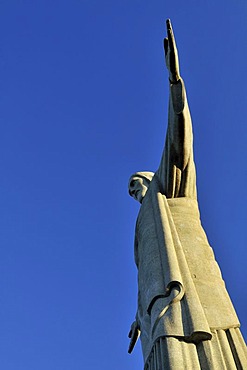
[{"x": 182, "y": 295}]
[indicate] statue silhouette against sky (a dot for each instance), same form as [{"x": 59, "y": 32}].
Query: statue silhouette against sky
[{"x": 185, "y": 317}]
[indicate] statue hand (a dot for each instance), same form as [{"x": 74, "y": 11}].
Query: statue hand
[
  {"x": 171, "y": 54},
  {"x": 133, "y": 335}
]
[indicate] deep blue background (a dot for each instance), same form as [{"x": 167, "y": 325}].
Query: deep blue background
[{"x": 83, "y": 105}]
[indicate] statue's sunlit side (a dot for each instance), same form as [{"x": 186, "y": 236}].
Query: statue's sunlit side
[{"x": 185, "y": 317}]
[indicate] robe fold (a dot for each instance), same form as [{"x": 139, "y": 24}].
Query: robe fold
[{"x": 181, "y": 290}]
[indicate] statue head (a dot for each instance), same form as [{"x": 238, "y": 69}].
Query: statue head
[{"x": 138, "y": 185}]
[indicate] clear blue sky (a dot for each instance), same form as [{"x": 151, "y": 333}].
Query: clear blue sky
[{"x": 83, "y": 104}]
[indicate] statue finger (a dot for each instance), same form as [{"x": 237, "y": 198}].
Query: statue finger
[
  {"x": 133, "y": 341},
  {"x": 131, "y": 346},
  {"x": 166, "y": 45},
  {"x": 170, "y": 35}
]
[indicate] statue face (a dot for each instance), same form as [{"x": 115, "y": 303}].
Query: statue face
[{"x": 138, "y": 188}]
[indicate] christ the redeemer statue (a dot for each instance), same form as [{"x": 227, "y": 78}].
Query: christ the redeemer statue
[{"x": 185, "y": 317}]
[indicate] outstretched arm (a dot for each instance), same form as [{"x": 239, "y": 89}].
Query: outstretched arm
[
  {"x": 177, "y": 160},
  {"x": 179, "y": 122}
]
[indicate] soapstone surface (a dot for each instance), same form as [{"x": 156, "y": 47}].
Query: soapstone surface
[{"x": 185, "y": 317}]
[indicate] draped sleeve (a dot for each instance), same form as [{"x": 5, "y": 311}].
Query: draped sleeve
[{"x": 177, "y": 169}]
